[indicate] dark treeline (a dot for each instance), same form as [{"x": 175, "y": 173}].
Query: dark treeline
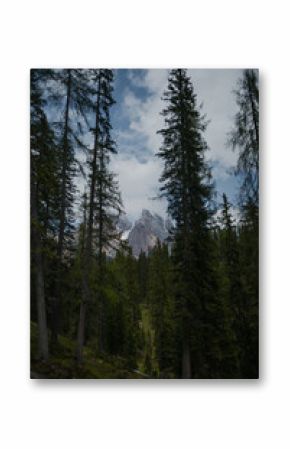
[{"x": 188, "y": 308}]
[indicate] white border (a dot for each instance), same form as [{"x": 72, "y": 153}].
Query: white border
[{"x": 144, "y": 414}]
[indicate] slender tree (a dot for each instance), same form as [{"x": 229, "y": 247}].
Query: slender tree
[
  {"x": 104, "y": 201},
  {"x": 162, "y": 308},
  {"x": 232, "y": 292},
  {"x": 43, "y": 198},
  {"x": 187, "y": 187},
  {"x": 245, "y": 138},
  {"x": 73, "y": 93}
]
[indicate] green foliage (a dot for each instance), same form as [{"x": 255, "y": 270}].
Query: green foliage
[
  {"x": 187, "y": 187},
  {"x": 161, "y": 303},
  {"x": 188, "y": 308},
  {"x": 245, "y": 138},
  {"x": 63, "y": 365},
  {"x": 245, "y": 135}
]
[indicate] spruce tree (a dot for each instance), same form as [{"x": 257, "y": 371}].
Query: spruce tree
[
  {"x": 44, "y": 189},
  {"x": 245, "y": 138},
  {"x": 73, "y": 93},
  {"x": 187, "y": 187},
  {"x": 123, "y": 312},
  {"x": 104, "y": 202},
  {"x": 232, "y": 292},
  {"x": 162, "y": 308}
]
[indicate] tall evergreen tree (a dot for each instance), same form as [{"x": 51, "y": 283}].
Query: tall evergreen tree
[
  {"x": 232, "y": 292},
  {"x": 104, "y": 201},
  {"x": 249, "y": 257},
  {"x": 74, "y": 93},
  {"x": 44, "y": 190},
  {"x": 187, "y": 187},
  {"x": 123, "y": 313},
  {"x": 245, "y": 138},
  {"x": 162, "y": 308}
]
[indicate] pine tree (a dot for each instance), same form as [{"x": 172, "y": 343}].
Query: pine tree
[
  {"x": 245, "y": 138},
  {"x": 44, "y": 190},
  {"x": 104, "y": 201},
  {"x": 74, "y": 93},
  {"x": 232, "y": 292},
  {"x": 249, "y": 250},
  {"x": 187, "y": 187},
  {"x": 162, "y": 308},
  {"x": 131, "y": 310},
  {"x": 123, "y": 313}
]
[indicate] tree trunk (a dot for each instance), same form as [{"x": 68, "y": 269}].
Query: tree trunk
[
  {"x": 186, "y": 360},
  {"x": 88, "y": 233},
  {"x": 39, "y": 282},
  {"x": 185, "y": 211},
  {"x": 60, "y": 244},
  {"x": 101, "y": 345},
  {"x": 81, "y": 331},
  {"x": 85, "y": 293},
  {"x": 100, "y": 267}
]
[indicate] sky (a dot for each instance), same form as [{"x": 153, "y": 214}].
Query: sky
[{"x": 136, "y": 118}]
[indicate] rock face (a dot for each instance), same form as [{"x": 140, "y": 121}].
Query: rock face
[
  {"x": 143, "y": 235},
  {"x": 146, "y": 232}
]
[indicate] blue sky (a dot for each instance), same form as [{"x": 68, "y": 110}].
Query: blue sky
[{"x": 136, "y": 119}]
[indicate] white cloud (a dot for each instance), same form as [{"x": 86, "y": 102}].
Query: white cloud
[
  {"x": 213, "y": 89},
  {"x": 144, "y": 115},
  {"x": 139, "y": 184},
  {"x": 139, "y": 175}
]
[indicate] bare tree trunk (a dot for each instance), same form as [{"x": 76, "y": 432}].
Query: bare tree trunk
[
  {"x": 100, "y": 259},
  {"x": 81, "y": 331},
  {"x": 39, "y": 282},
  {"x": 88, "y": 239},
  {"x": 101, "y": 345},
  {"x": 186, "y": 360},
  {"x": 60, "y": 244}
]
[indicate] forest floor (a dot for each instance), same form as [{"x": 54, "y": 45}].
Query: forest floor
[{"x": 63, "y": 365}]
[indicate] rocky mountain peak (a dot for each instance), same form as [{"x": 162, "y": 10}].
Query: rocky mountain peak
[{"x": 145, "y": 233}]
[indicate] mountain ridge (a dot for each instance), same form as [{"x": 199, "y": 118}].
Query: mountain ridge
[{"x": 147, "y": 231}]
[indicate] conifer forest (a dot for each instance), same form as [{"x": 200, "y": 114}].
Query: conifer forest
[{"x": 110, "y": 302}]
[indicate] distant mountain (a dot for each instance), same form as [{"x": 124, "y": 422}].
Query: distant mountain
[
  {"x": 147, "y": 230},
  {"x": 143, "y": 235}
]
